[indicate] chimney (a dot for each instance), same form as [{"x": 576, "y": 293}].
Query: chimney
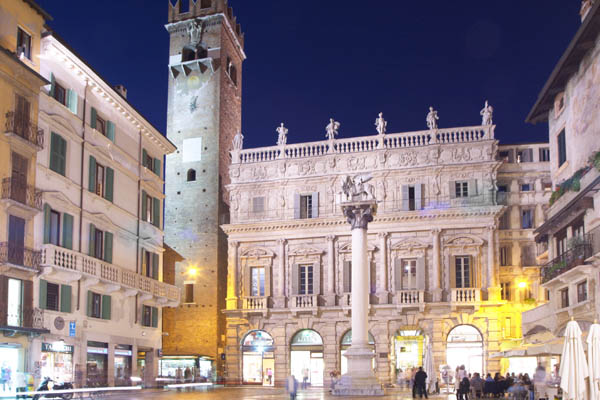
[
  {"x": 122, "y": 90},
  {"x": 586, "y": 6}
]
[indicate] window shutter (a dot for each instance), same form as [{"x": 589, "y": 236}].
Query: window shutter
[
  {"x": 472, "y": 275},
  {"x": 156, "y": 212},
  {"x": 67, "y": 238},
  {"x": 453, "y": 272},
  {"x": 405, "y": 199},
  {"x": 90, "y": 303},
  {"x": 72, "y": 101},
  {"x": 295, "y": 277},
  {"x": 144, "y": 156},
  {"x": 92, "y": 246},
  {"x": 315, "y": 205},
  {"x": 106, "y": 305},
  {"x": 157, "y": 166},
  {"x": 144, "y": 205},
  {"x": 144, "y": 266},
  {"x": 110, "y": 183},
  {"x": 421, "y": 273},
  {"x": 47, "y": 210},
  {"x": 316, "y": 278},
  {"x": 3, "y": 295},
  {"x": 155, "y": 266},
  {"x": 398, "y": 274},
  {"x": 154, "y": 317},
  {"x": 52, "y": 84},
  {"x": 58, "y": 153},
  {"x": 93, "y": 118},
  {"x": 296, "y": 205},
  {"x": 418, "y": 196},
  {"x": 347, "y": 276},
  {"x": 110, "y": 130},
  {"x": 472, "y": 187},
  {"x": 43, "y": 294},
  {"x": 509, "y": 255},
  {"x": 62, "y": 166},
  {"x": 27, "y": 304},
  {"x": 65, "y": 298},
  {"x": 92, "y": 174},
  {"x": 108, "y": 247},
  {"x": 452, "y": 189}
]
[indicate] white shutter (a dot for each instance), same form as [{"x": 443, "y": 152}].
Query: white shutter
[
  {"x": 315, "y": 205},
  {"x": 405, "y": 202},
  {"x": 421, "y": 273},
  {"x": 295, "y": 276},
  {"x": 398, "y": 273},
  {"x": 297, "y": 205},
  {"x": 316, "y": 278},
  {"x": 452, "y": 189},
  {"x": 347, "y": 271},
  {"x": 418, "y": 196},
  {"x": 472, "y": 187}
]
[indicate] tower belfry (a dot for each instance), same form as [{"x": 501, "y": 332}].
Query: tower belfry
[{"x": 204, "y": 114}]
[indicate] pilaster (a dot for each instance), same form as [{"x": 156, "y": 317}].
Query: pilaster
[
  {"x": 382, "y": 270},
  {"x": 232, "y": 276},
  {"x": 436, "y": 272},
  {"x": 330, "y": 289},
  {"x": 279, "y": 299}
]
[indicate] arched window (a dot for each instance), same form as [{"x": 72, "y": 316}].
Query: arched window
[{"x": 191, "y": 175}]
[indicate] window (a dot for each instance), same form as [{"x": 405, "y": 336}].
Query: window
[
  {"x": 505, "y": 220},
  {"x": 60, "y": 94},
  {"x": 409, "y": 274},
  {"x": 101, "y": 179},
  {"x": 99, "y": 306},
  {"x": 15, "y": 302},
  {"x": 306, "y": 206},
  {"x": 546, "y": 185},
  {"x": 148, "y": 161},
  {"x": 96, "y": 310},
  {"x": 55, "y": 297},
  {"x": 505, "y": 291},
  {"x": 305, "y": 279},
  {"x": 506, "y": 155},
  {"x": 461, "y": 189},
  {"x": 564, "y": 298},
  {"x": 582, "y": 294},
  {"x": 347, "y": 276},
  {"x": 99, "y": 240},
  {"x": 100, "y": 244},
  {"x": 52, "y": 296},
  {"x": 54, "y": 221},
  {"x": 54, "y": 227},
  {"x": 150, "y": 264},
  {"x": 100, "y": 125},
  {"x": 155, "y": 165},
  {"x": 526, "y": 187},
  {"x": 463, "y": 273},
  {"x": 527, "y": 219},
  {"x": 150, "y": 316},
  {"x": 58, "y": 153},
  {"x": 502, "y": 188},
  {"x": 411, "y": 198},
  {"x": 561, "y": 241},
  {"x": 148, "y": 213},
  {"x": 528, "y": 256},
  {"x": 231, "y": 71},
  {"x": 191, "y": 175},
  {"x": 23, "y": 43},
  {"x": 505, "y": 256},
  {"x": 525, "y": 155},
  {"x": 105, "y": 127},
  {"x": 151, "y": 209},
  {"x": 258, "y": 204},
  {"x": 16, "y": 240},
  {"x": 205, "y": 3},
  {"x": 257, "y": 286},
  {"x": 562, "y": 148},
  {"x": 544, "y": 154},
  {"x": 189, "y": 293}
]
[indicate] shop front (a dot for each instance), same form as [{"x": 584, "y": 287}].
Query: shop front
[
  {"x": 57, "y": 361},
  {"x": 123, "y": 361},
  {"x": 408, "y": 349},
  {"x": 200, "y": 368},
  {"x": 345, "y": 345},
  {"x": 306, "y": 361},
  {"x": 12, "y": 362},
  {"x": 258, "y": 361},
  {"x": 97, "y": 364}
]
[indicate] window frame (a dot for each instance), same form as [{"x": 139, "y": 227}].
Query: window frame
[
  {"x": 98, "y": 244},
  {"x": 505, "y": 291},
  {"x": 261, "y": 283},
  {"x": 564, "y": 297},
  {"x": 306, "y": 279},
  {"x": 100, "y": 179},
  {"x": 582, "y": 295},
  {"x": 465, "y": 271},
  {"x": 561, "y": 139},
  {"x": 504, "y": 258},
  {"x": 408, "y": 278},
  {"x": 149, "y": 217},
  {"x": 58, "y": 89},
  {"x": 544, "y": 154},
  {"x": 529, "y": 212},
  {"x": 55, "y": 229},
  {"x": 48, "y": 294},
  {"x": 96, "y": 305},
  {"x": 526, "y": 187},
  {"x": 28, "y": 46},
  {"x": 306, "y": 206},
  {"x": 188, "y": 292},
  {"x": 461, "y": 189}
]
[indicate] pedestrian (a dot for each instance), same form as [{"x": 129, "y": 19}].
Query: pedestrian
[
  {"x": 539, "y": 382},
  {"x": 178, "y": 375},
  {"x": 5, "y": 376},
  {"x": 413, "y": 372},
  {"x": 400, "y": 378},
  {"x": 291, "y": 386},
  {"x": 270, "y": 376},
  {"x": 187, "y": 374},
  {"x": 477, "y": 385},
  {"x": 420, "y": 383},
  {"x": 305, "y": 374},
  {"x": 464, "y": 388}
]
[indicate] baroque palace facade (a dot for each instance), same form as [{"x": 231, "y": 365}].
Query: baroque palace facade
[{"x": 451, "y": 250}]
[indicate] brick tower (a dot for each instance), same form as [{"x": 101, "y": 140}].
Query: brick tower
[{"x": 204, "y": 114}]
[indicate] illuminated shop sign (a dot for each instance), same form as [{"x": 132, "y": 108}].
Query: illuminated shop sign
[{"x": 58, "y": 347}]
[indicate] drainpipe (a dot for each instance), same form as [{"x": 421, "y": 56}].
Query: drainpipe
[
  {"x": 85, "y": 91},
  {"x": 137, "y": 252}
]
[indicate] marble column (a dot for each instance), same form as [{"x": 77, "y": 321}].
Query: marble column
[
  {"x": 492, "y": 284},
  {"x": 279, "y": 299},
  {"x": 360, "y": 379},
  {"x": 382, "y": 271},
  {"x": 232, "y": 276},
  {"x": 330, "y": 288},
  {"x": 436, "y": 288}
]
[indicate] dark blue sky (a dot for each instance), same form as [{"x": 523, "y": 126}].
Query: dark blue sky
[{"x": 347, "y": 59}]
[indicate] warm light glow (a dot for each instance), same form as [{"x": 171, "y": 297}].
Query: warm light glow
[
  {"x": 192, "y": 271},
  {"x": 522, "y": 285}
]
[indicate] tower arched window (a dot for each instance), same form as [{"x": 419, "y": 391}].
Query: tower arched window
[
  {"x": 188, "y": 53},
  {"x": 205, "y": 3},
  {"x": 201, "y": 52},
  {"x": 231, "y": 71},
  {"x": 191, "y": 175}
]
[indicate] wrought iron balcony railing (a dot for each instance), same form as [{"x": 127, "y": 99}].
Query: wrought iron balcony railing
[
  {"x": 21, "y": 317},
  {"x": 18, "y": 255},
  {"x": 568, "y": 260},
  {"x": 19, "y": 124},
  {"x": 21, "y": 192}
]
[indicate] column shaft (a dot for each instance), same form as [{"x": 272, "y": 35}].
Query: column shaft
[{"x": 360, "y": 287}]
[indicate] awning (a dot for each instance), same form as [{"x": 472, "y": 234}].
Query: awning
[
  {"x": 547, "y": 349},
  {"x": 21, "y": 330},
  {"x": 510, "y": 353}
]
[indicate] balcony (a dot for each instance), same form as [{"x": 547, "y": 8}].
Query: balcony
[
  {"x": 410, "y": 298},
  {"x": 255, "y": 303},
  {"x": 570, "y": 259},
  {"x": 465, "y": 296},
  {"x": 19, "y": 191},
  {"x": 75, "y": 265},
  {"x": 19, "y": 256},
  {"x": 18, "y": 124},
  {"x": 20, "y": 319},
  {"x": 502, "y": 198},
  {"x": 304, "y": 301}
]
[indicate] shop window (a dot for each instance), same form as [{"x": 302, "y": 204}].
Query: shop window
[
  {"x": 305, "y": 279},
  {"x": 191, "y": 175},
  {"x": 461, "y": 189},
  {"x": 564, "y": 298},
  {"x": 463, "y": 271},
  {"x": 527, "y": 219},
  {"x": 505, "y": 291},
  {"x": 544, "y": 154},
  {"x": 23, "y": 43},
  {"x": 582, "y": 294},
  {"x": 150, "y": 316},
  {"x": 257, "y": 284},
  {"x": 562, "y": 148},
  {"x": 189, "y": 293}
]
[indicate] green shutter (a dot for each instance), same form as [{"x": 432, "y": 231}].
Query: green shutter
[
  {"x": 106, "y": 304},
  {"x": 90, "y": 301},
  {"x": 72, "y": 101},
  {"x": 67, "y": 238},
  {"x": 43, "y": 294},
  {"x": 93, "y": 118},
  {"x": 110, "y": 179},
  {"x": 47, "y": 222},
  {"x": 144, "y": 156},
  {"x": 108, "y": 247},
  {"x": 62, "y": 150},
  {"x": 92, "y": 240},
  {"x": 154, "y": 266},
  {"x": 110, "y": 130},
  {"x": 154, "y": 317},
  {"x": 156, "y": 212},
  {"x": 157, "y": 166},
  {"x": 144, "y": 205},
  {"x": 92, "y": 173},
  {"x": 65, "y": 298},
  {"x": 52, "y": 84},
  {"x": 58, "y": 153}
]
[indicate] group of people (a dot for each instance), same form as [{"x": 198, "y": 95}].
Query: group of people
[
  {"x": 5, "y": 377},
  {"x": 415, "y": 378},
  {"x": 189, "y": 375}
]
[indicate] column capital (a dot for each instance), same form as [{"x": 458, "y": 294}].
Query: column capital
[
  {"x": 234, "y": 243},
  {"x": 281, "y": 241},
  {"x": 382, "y": 235},
  {"x": 491, "y": 227},
  {"x": 360, "y": 214},
  {"x": 330, "y": 238},
  {"x": 436, "y": 231}
]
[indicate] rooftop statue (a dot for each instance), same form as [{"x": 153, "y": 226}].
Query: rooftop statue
[
  {"x": 381, "y": 124},
  {"x": 486, "y": 114},
  {"x": 282, "y": 138},
  {"x": 238, "y": 141},
  {"x": 332, "y": 129},
  {"x": 357, "y": 189},
  {"x": 432, "y": 119}
]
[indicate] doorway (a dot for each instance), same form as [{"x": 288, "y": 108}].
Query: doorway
[
  {"x": 306, "y": 358},
  {"x": 464, "y": 346}
]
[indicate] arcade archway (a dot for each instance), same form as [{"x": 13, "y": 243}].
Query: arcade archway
[{"x": 464, "y": 346}]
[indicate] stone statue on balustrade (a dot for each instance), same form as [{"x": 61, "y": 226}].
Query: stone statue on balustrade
[
  {"x": 357, "y": 189},
  {"x": 432, "y": 119},
  {"x": 332, "y": 129},
  {"x": 381, "y": 124},
  {"x": 486, "y": 114},
  {"x": 238, "y": 141},
  {"x": 282, "y": 138}
]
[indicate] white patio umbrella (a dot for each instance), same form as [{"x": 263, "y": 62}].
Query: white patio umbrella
[
  {"x": 573, "y": 366},
  {"x": 429, "y": 367},
  {"x": 593, "y": 342}
]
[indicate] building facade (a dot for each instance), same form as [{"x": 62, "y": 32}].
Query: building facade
[
  {"x": 451, "y": 251},
  {"x": 21, "y": 25},
  {"x": 100, "y": 231},
  {"x": 571, "y": 233},
  {"x": 204, "y": 114}
]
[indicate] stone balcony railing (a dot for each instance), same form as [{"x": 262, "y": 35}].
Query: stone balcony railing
[
  {"x": 365, "y": 143},
  {"x": 255, "y": 303},
  {"x": 20, "y": 125},
  {"x": 21, "y": 192},
  {"x": 304, "y": 301},
  {"x": 465, "y": 295},
  {"x": 409, "y": 297},
  {"x": 68, "y": 260}
]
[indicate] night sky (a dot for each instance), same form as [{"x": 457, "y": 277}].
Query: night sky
[{"x": 346, "y": 59}]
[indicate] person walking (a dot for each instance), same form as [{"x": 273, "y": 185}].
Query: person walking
[
  {"x": 463, "y": 389},
  {"x": 305, "y": 374},
  {"x": 420, "y": 383},
  {"x": 291, "y": 386}
]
